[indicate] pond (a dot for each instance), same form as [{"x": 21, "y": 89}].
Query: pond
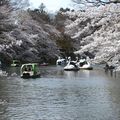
[{"x": 60, "y": 95}]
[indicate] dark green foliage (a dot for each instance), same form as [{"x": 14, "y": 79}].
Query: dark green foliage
[
  {"x": 39, "y": 15},
  {"x": 59, "y": 21},
  {"x": 5, "y": 58},
  {"x": 65, "y": 44},
  {"x": 64, "y": 10},
  {"x": 41, "y": 8}
]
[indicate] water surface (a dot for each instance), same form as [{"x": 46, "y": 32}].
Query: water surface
[{"x": 60, "y": 95}]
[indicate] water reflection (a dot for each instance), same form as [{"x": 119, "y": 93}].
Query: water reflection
[
  {"x": 112, "y": 73},
  {"x": 61, "y": 95},
  {"x": 70, "y": 74},
  {"x": 83, "y": 74}
]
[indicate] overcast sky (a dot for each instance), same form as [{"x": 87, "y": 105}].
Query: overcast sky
[{"x": 52, "y": 5}]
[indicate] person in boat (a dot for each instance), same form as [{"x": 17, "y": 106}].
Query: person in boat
[
  {"x": 110, "y": 68},
  {"x": 83, "y": 63},
  {"x": 29, "y": 68},
  {"x": 26, "y": 69}
]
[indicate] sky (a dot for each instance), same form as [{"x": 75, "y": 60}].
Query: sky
[{"x": 51, "y": 5}]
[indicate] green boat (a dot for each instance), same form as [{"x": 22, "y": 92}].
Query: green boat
[
  {"x": 30, "y": 70},
  {"x": 15, "y": 63}
]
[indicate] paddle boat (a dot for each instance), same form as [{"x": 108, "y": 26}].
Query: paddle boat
[
  {"x": 84, "y": 64},
  {"x": 3, "y": 73},
  {"x": 71, "y": 65},
  {"x": 30, "y": 70},
  {"x": 60, "y": 61},
  {"x": 15, "y": 63},
  {"x": 44, "y": 64}
]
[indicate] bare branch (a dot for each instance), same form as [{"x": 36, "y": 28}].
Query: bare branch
[
  {"x": 95, "y": 2},
  {"x": 19, "y": 4}
]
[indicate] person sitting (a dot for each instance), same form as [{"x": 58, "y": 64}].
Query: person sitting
[
  {"x": 29, "y": 69},
  {"x": 25, "y": 68}
]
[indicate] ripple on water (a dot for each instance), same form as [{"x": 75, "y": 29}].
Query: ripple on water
[{"x": 59, "y": 95}]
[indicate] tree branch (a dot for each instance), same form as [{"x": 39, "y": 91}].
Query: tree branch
[{"x": 95, "y": 2}]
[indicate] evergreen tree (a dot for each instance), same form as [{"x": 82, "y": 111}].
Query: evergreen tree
[{"x": 42, "y": 8}]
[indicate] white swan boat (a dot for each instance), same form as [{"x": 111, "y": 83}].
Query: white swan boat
[
  {"x": 61, "y": 61},
  {"x": 84, "y": 64},
  {"x": 71, "y": 66}
]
